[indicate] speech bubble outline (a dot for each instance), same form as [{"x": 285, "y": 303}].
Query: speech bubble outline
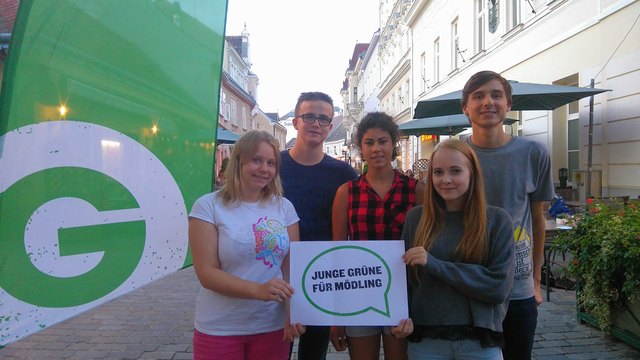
[{"x": 386, "y": 313}]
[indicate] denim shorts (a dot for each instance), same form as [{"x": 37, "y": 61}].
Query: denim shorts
[
  {"x": 361, "y": 331},
  {"x": 447, "y": 349}
]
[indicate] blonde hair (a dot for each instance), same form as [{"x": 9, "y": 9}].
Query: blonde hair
[
  {"x": 243, "y": 151},
  {"x": 473, "y": 247}
]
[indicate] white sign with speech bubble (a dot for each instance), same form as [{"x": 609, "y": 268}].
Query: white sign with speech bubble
[{"x": 348, "y": 283}]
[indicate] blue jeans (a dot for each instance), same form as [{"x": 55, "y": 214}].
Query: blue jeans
[
  {"x": 452, "y": 349},
  {"x": 519, "y": 328},
  {"x": 313, "y": 343}
]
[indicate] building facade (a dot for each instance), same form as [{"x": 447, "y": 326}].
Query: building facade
[
  {"x": 381, "y": 80},
  {"x": 238, "y": 88},
  {"x": 336, "y": 143},
  {"x": 566, "y": 42},
  {"x": 358, "y": 95},
  {"x": 239, "y": 111}
]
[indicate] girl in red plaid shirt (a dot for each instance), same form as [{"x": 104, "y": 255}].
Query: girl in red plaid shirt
[{"x": 373, "y": 207}]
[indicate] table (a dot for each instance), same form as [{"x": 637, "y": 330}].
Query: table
[
  {"x": 574, "y": 205},
  {"x": 550, "y": 231}
]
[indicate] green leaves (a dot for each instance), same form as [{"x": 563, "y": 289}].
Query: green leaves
[{"x": 605, "y": 245}]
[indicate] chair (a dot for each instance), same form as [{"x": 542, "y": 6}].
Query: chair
[
  {"x": 420, "y": 168},
  {"x": 549, "y": 258}
]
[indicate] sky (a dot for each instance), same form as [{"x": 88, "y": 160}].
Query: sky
[{"x": 301, "y": 45}]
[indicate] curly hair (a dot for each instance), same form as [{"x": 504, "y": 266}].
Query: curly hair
[{"x": 382, "y": 121}]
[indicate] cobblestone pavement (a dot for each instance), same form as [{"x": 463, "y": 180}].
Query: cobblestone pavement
[{"x": 156, "y": 322}]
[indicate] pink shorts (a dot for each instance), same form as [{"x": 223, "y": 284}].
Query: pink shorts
[{"x": 267, "y": 346}]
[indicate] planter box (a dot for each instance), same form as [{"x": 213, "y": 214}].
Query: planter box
[
  {"x": 626, "y": 325},
  {"x": 605, "y": 247}
]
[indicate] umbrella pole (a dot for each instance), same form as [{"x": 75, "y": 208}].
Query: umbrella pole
[{"x": 590, "y": 145}]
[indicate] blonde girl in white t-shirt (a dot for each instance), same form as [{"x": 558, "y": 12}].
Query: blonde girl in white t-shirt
[{"x": 239, "y": 238}]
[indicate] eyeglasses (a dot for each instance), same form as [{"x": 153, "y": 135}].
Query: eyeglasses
[{"x": 310, "y": 118}]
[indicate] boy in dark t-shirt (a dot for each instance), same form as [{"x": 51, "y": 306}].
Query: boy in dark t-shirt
[{"x": 310, "y": 179}]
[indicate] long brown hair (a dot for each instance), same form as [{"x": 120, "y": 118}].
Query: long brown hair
[
  {"x": 473, "y": 247},
  {"x": 243, "y": 151}
]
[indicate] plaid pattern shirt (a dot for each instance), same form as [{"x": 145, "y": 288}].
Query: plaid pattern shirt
[{"x": 373, "y": 218}]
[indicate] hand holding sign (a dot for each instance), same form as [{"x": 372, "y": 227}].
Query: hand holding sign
[
  {"x": 293, "y": 331},
  {"x": 416, "y": 256},
  {"x": 274, "y": 290},
  {"x": 404, "y": 329},
  {"x": 348, "y": 283},
  {"x": 338, "y": 337}
]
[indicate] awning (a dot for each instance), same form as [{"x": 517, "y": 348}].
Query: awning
[
  {"x": 439, "y": 125},
  {"x": 525, "y": 96},
  {"x": 226, "y": 136}
]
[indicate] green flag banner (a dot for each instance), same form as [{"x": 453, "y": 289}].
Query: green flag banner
[{"x": 108, "y": 117}]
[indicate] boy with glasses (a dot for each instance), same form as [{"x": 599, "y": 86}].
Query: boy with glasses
[
  {"x": 310, "y": 179},
  {"x": 517, "y": 177}
]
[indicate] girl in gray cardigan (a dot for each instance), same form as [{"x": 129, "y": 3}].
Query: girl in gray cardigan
[{"x": 461, "y": 260}]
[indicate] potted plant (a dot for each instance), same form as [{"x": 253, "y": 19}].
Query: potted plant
[{"x": 605, "y": 246}]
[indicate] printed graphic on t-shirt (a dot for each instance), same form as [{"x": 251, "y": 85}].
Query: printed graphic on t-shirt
[
  {"x": 523, "y": 254},
  {"x": 271, "y": 241}
]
